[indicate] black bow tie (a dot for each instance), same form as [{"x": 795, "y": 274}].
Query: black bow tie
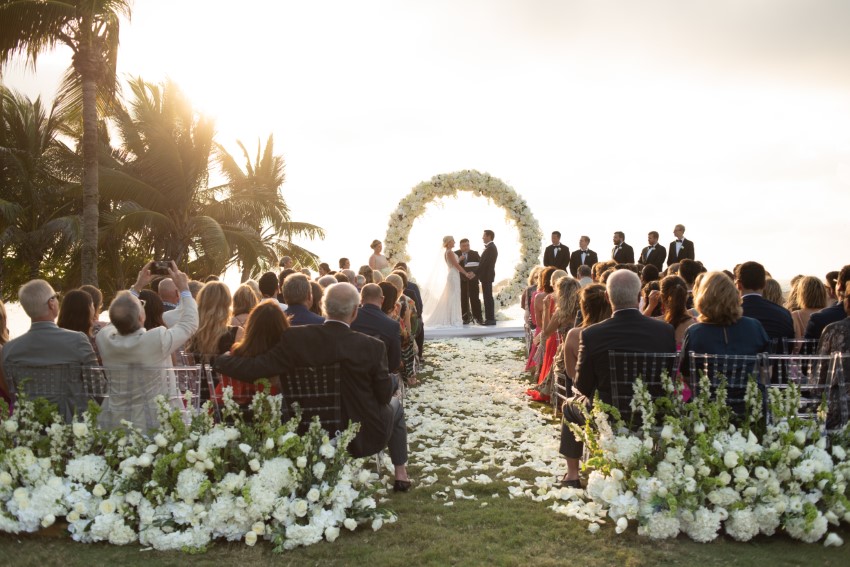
[{"x": 680, "y": 241}]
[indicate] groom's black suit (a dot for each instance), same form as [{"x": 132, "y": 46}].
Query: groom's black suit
[
  {"x": 469, "y": 287},
  {"x": 486, "y": 275}
]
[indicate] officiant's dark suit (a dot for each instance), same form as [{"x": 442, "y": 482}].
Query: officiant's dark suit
[
  {"x": 623, "y": 254},
  {"x": 560, "y": 260},
  {"x": 486, "y": 275},
  {"x": 575, "y": 260},
  {"x": 654, "y": 255},
  {"x": 469, "y": 290},
  {"x": 366, "y": 385},
  {"x": 687, "y": 251}
]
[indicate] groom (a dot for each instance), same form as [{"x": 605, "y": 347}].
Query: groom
[
  {"x": 469, "y": 259},
  {"x": 486, "y": 275}
]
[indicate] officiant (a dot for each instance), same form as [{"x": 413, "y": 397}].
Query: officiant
[{"x": 469, "y": 292}]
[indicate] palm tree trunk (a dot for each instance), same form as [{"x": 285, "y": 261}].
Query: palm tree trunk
[{"x": 90, "y": 183}]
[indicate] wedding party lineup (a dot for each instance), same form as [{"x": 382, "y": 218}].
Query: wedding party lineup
[{"x": 462, "y": 283}]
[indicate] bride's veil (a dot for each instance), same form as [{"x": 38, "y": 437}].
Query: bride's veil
[{"x": 435, "y": 284}]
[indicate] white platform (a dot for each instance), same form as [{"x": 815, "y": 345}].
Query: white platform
[{"x": 504, "y": 329}]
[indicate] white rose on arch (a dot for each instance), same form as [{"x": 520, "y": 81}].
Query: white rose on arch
[{"x": 482, "y": 185}]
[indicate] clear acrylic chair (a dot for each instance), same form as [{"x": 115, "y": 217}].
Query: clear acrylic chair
[
  {"x": 58, "y": 383},
  {"x": 737, "y": 369},
  {"x": 800, "y": 346},
  {"x": 624, "y": 368},
  {"x": 839, "y": 383},
  {"x": 316, "y": 390},
  {"x": 810, "y": 373}
]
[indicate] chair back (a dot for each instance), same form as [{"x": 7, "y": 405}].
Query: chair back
[
  {"x": 316, "y": 389},
  {"x": 59, "y": 384},
  {"x": 737, "y": 369},
  {"x": 810, "y": 373},
  {"x": 626, "y": 367},
  {"x": 839, "y": 384},
  {"x": 800, "y": 346}
]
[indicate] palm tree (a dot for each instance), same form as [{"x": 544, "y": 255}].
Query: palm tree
[
  {"x": 38, "y": 219},
  {"x": 91, "y": 29},
  {"x": 258, "y": 189}
]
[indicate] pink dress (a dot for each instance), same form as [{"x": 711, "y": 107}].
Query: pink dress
[{"x": 537, "y": 329}]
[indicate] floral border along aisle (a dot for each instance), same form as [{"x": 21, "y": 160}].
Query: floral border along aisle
[
  {"x": 481, "y": 185},
  {"x": 185, "y": 485}
]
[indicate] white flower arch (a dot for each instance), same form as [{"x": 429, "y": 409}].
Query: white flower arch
[{"x": 481, "y": 185}]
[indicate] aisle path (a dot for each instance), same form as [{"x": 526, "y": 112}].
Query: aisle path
[{"x": 471, "y": 422}]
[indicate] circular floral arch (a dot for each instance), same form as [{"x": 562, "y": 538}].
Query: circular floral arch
[{"x": 482, "y": 185}]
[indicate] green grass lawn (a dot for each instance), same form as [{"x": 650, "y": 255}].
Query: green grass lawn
[{"x": 505, "y": 531}]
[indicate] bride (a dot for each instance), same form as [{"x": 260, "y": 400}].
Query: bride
[{"x": 441, "y": 298}]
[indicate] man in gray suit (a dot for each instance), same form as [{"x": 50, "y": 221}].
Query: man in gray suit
[{"x": 45, "y": 344}]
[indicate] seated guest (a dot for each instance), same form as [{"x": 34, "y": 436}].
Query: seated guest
[
  {"x": 360, "y": 281},
  {"x": 377, "y": 277},
  {"x": 45, "y": 344},
  {"x": 367, "y": 273},
  {"x": 831, "y": 282},
  {"x": 594, "y": 309},
  {"x": 352, "y": 277},
  {"x": 390, "y": 305},
  {"x": 154, "y": 309},
  {"x": 307, "y": 272},
  {"x": 649, "y": 273},
  {"x": 673, "y": 298},
  {"x": 372, "y": 321},
  {"x": 836, "y": 336},
  {"x": 341, "y": 278},
  {"x": 721, "y": 327},
  {"x": 650, "y": 299},
  {"x": 673, "y": 269},
  {"x": 411, "y": 290},
  {"x": 169, "y": 294},
  {"x": 318, "y": 291},
  {"x": 773, "y": 292},
  {"x": 244, "y": 300},
  {"x": 97, "y": 299},
  {"x": 626, "y": 331},
  {"x": 366, "y": 386},
  {"x": 196, "y": 286},
  {"x": 327, "y": 280},
  {"x": 583, "y": 274},
  {"x": 270, "y": 287},
  {"x": 280, "y": 279},
  {"x": 792, "y": 303},
  {"x": 828, "y": 315},
  {"x": 215, "y": 335},
  {"x": 688, "y": 271},
  {"x": 125, "y": 343},
  {"x": 298, "y": 295},
  {"x": 777, "y": 322},
  {"x": 810, "y": 297},
  {"x": 4, "y": 338},
  {"x": 77, "y": 314},
  {"x": 263, "y": 330}
]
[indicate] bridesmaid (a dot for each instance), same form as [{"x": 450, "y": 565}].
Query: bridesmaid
[{"x": 544, "y": 288}]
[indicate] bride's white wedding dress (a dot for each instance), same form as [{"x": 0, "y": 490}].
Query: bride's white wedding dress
[{"x": 441, "y": 300}]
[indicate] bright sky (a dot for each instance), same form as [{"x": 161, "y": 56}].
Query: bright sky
[{"x": 731, "y": 117}]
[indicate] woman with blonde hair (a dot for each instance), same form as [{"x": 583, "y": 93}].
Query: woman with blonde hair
[
  {"x": 772, "y": 291},
  {"x": 244, "y": 301},
  {"x": 215, "y": 334},
  {"x": 811, "y": 298},
  {"x": 378, "y": 261},
  {"x": 722, "y": 328}
]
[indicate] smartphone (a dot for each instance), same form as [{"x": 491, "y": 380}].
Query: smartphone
[{"x": 160, "y": 267}]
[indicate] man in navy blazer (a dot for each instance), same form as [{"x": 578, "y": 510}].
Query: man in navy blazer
[
  {"x": 298, "y": 295},
  {"x": 776, "y": 320},
  {"x": 628, "y": 330},
  {"x": 818, "y": 321},
  {"x": 375, "y": 323}
]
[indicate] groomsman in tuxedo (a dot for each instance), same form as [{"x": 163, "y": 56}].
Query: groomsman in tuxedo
[
  {"x": 470, "y": 260},
  {"x": 654, "y": 253},
  {"x": 556, "y": 254},
  {"x": 622, "y": 252},
  {"x": 680, "y": 248},
  {"x": 487, "y": 274},
  {"x": 584, "y": 256}
]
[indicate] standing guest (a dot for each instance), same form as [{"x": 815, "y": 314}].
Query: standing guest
[
  {"x": 327, "y": 280},
  {"x": 654, "y": 254},
  {"x": 777, "y": 322},
  {"x": 372, "y": 321},
  {"x": 344, "y": 264},
  {"x": 168, "y": 293},
  {"x": 97, "y": 299},
  {"x": 722, "y": 328},
  {"x": 45, "y": 344},
  {"x": 556, "y": 254},
  {"x": 286, "y": 263},
  {"x": 264, "y": 328},
  {"x": 828, "y": 315},
  {"x": 487, "y": 274},
  {"x": 622, "y": 253},
  {"x": 681, "y": 248},
  {"x": 270, "y": 288},
  {"x": 366, "y": 386},
  {"x": 154, "y": 309},
  {"x": 836, "y": 336},
  {"x": 318, "y": 292},
  {"x": 544, "y": 288},
  {"x": 673, "y": 298},
  {"x": 583, "y": 256},
  {"x": 4, "y": 338},
  {"x": 298, "y": 295},
  {"x": 324, "y": 269},
  {"x": 583, "y": 274},
  {"x": 626, "y": 331},
  {"x": 244, "y": 300},
  {"x": 378, "y": 261},
  {"x": 811, "y": 298},
  {"x": 595, "y": 308},
  {"x": 773, "y": 292},
  {"x": 215, "y": 334},
  {"x": 470, "y": 300},
  {"x": 526, "y": 304}
]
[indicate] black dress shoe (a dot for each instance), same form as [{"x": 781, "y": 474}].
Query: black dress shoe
[
  {"x": 401, "y": 486},
  {"x": 571, "y": 483},
  {"x": 479, "y": 322},
  {"x": 489, "y": 323}
]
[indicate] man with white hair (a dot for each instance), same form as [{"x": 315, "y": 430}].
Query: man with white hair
[
  {"x": 366, "y": 386},
  {"x": 626, "y": 331},
  {"x": 169, "y": 294},
  {"x": 45, "y": 344},
  {"x": 125, "y": 343}
]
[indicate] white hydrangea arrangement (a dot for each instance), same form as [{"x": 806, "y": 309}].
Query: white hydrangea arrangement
[
  {"x": 693, "y": 468},
  {"x": 479, "y": 184},
  {"x": 184, "y": 485}
]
